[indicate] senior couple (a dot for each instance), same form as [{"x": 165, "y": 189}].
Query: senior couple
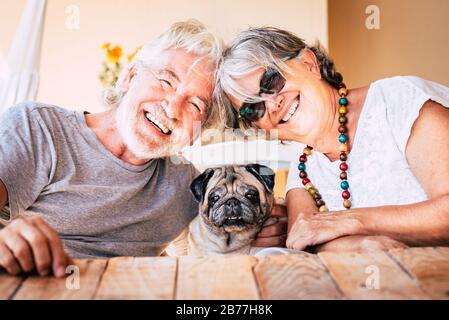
[{"x": 373, "y": 170}]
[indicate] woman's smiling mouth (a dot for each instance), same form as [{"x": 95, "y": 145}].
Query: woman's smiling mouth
[{"x": 291, "y": 111}]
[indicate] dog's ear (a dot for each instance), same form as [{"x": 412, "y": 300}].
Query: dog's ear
[
  {"x": 263, "y": 173},
  {"x": 199, "y": 184}
]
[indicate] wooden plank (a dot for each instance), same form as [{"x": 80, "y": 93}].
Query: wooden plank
[
  {"x": 138, "y": 278},
  {"x": 430, "y": 266},
  {"x": 370, "y": 275},
  {"x": 8, "y": 285},
  {"x": 216, "y": 277},
  {"x": 51, "y": 288},
  {"x": 443, "y": 250},
  {"x": 296, "y": 276}
]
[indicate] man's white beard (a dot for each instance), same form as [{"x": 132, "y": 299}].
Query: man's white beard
[{"x": 125, "y": 121}]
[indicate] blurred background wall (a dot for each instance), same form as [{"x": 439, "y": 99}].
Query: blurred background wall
[{"x": 412, "y": 39}]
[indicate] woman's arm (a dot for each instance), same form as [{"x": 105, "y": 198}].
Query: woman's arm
[
  {"x": 423, "y": 223},
  {"x": 300, "y": 205}
]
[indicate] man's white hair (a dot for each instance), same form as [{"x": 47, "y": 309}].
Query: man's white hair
[{"x": 190, "y": 35}]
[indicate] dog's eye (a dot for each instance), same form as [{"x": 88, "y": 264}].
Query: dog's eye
[
  {"x": 252, "y": 196},
  {"x": 213, "y": 198}
]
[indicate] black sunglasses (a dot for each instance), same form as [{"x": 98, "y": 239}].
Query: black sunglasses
[{"x": 271, "y": 82}]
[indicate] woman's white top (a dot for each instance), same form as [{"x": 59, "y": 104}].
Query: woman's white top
[{"x": 378, "y": 173}]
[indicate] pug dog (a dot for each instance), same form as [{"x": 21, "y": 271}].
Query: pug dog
[{"x": 234, "y": 202}]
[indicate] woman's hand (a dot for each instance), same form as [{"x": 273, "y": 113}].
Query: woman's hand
[
  {"x": 274, "y": 230},
  {"x": 310, "y": 230}
]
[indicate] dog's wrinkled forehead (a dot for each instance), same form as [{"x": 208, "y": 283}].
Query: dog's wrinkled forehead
[
  {"x": 229, "y": 174},
  {"x": 234, "y": 177}
]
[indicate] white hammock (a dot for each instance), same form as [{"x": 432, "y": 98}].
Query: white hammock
[{"x": 19, "y": 74}]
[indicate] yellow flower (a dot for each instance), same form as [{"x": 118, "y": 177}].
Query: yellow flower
[
  {"x": 114, "y": 54},
  {"x": 106, "y": 45},
  {"x": 132, "y": 55}
]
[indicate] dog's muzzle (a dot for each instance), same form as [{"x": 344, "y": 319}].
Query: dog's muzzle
[{"x": 233, "y": 213}]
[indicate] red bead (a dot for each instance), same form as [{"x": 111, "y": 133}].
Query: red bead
[
  {"x": 303, "y": 158},
  {"x": 342, "y": 85},
  {"x": 343, "y": 166},
  {"x": 345, "y": 194},
  {"x": 305, "y": 181}
]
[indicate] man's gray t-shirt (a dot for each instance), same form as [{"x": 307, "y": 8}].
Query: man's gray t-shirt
[{"x": 53, "y": 165}]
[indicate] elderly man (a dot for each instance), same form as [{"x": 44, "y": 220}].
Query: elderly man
[{"x": 101, "y": 185}]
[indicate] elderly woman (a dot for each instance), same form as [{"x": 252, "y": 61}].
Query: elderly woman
[{"x": 375, "y": 164}]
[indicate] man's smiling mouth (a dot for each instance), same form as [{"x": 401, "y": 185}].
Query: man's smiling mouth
[
  {"x": 291, "y": 111},
  {"x": 157, "y": 124}
]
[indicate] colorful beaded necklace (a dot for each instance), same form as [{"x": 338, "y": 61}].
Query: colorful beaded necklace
[{"x": 343, "y": 139}]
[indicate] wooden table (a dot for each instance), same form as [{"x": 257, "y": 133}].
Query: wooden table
[{"x": 415, "y": 273}]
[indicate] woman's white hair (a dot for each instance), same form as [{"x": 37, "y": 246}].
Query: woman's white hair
[{"x": 190, "y": 35}]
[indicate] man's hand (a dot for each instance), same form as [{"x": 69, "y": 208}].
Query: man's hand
[
  {"x": 320, "y": 228},
  {"x": 274, "y": 230},
  {"x": 29, "y": 244}
]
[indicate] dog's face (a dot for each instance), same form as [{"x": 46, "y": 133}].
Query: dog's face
[{"x": 235, "y": 198}]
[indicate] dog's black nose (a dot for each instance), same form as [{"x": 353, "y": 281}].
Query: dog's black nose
[
  {"x": 232, "y": 203},
  {"x": 233, "y": 206}
]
